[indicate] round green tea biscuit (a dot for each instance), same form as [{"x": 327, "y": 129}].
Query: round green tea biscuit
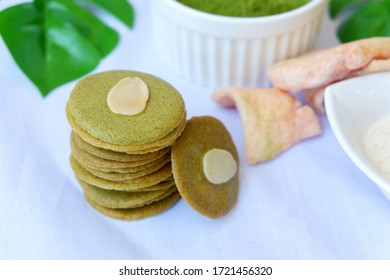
[
  {"x": 201, "y": 135},
  {"x": 121, "y": 170},
  {"x": 88, "y": 106},
  {"x": 138, "y": 213},
  {"x": 128, "y": 185},
  {"x": 127, "y": 170},
  {"x": 146, "y": 148},
  {"x": 95, "y": 162},
  {"x": 116, "y": 156},
  {"x": 120, "y": 176},
  {"x": 121, "y": 199},
  {"x": 163, "y": 185}
]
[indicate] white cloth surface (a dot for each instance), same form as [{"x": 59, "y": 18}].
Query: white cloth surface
[{"x": 311, "y": 202}]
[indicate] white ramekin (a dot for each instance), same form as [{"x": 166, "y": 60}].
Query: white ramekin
[{"x": 215, "y": 51}]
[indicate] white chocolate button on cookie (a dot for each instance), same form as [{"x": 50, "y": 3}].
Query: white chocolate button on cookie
[
  {"x": 219, "y": 166},
  {"x": 128, "y": 97}
]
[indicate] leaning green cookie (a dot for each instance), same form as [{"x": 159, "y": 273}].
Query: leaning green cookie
[
  {"x": 87, "y": 104},
  {"x": 138, "y": 213},
  {"x": 120, "y": 199},
  {"x": 201, "y": 135},
  {"x": 137, "y": 184}
]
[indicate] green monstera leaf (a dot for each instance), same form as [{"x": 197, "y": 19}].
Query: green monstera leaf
[
  {"x": 361, "y": 18},
  {"x": 57, "y": 41}
]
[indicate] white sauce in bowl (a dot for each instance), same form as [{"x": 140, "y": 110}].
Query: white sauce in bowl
[{"x": 377, "y": 145}]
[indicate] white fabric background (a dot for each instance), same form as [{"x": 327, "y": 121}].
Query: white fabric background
[{"x": 311, "y": 202}]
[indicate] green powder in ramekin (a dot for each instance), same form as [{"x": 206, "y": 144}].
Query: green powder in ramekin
[{"x": 244, "y": 8}]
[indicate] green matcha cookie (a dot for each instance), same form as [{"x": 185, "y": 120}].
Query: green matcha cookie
[
  {"x": 92, "y": 161},
  {"x": 120, "y": 176},
  {"x": 137, "y": 184},
  {"x": 88, "y": 107},
  {"x": 201, "y": 136},
  {"x": 146, "y": 148},
  {"x": 121, "y": 199},
  {"x": 116, "y": 156},
  {"x": 138, "y": 213}
]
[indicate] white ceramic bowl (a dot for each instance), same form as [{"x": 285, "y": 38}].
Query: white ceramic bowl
[
  {"x": 214, "y": 50},
  {"x": 352, "y": 106}
]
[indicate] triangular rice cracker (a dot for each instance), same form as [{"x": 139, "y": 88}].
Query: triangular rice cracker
[{"x": 273, "y": 121}]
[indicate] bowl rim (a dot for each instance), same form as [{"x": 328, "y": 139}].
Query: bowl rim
[
  {"x": 174, "y": 4},
  {"x": 330, "y": 99}
]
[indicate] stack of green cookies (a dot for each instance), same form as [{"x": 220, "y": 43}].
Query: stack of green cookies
[{"x": 123, "y": 162}]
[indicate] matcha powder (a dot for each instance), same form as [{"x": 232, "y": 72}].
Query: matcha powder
[{"x": 244, "y": 8}]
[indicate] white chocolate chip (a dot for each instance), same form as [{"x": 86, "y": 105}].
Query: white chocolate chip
[
  {"x": 128, "y": 97},
  {"x": 219, "y": 166}
]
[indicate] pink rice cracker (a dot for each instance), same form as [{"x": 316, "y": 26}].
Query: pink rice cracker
[
  {"x": 273, "y": 120},
  {"x": 324, "y": 67}
]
